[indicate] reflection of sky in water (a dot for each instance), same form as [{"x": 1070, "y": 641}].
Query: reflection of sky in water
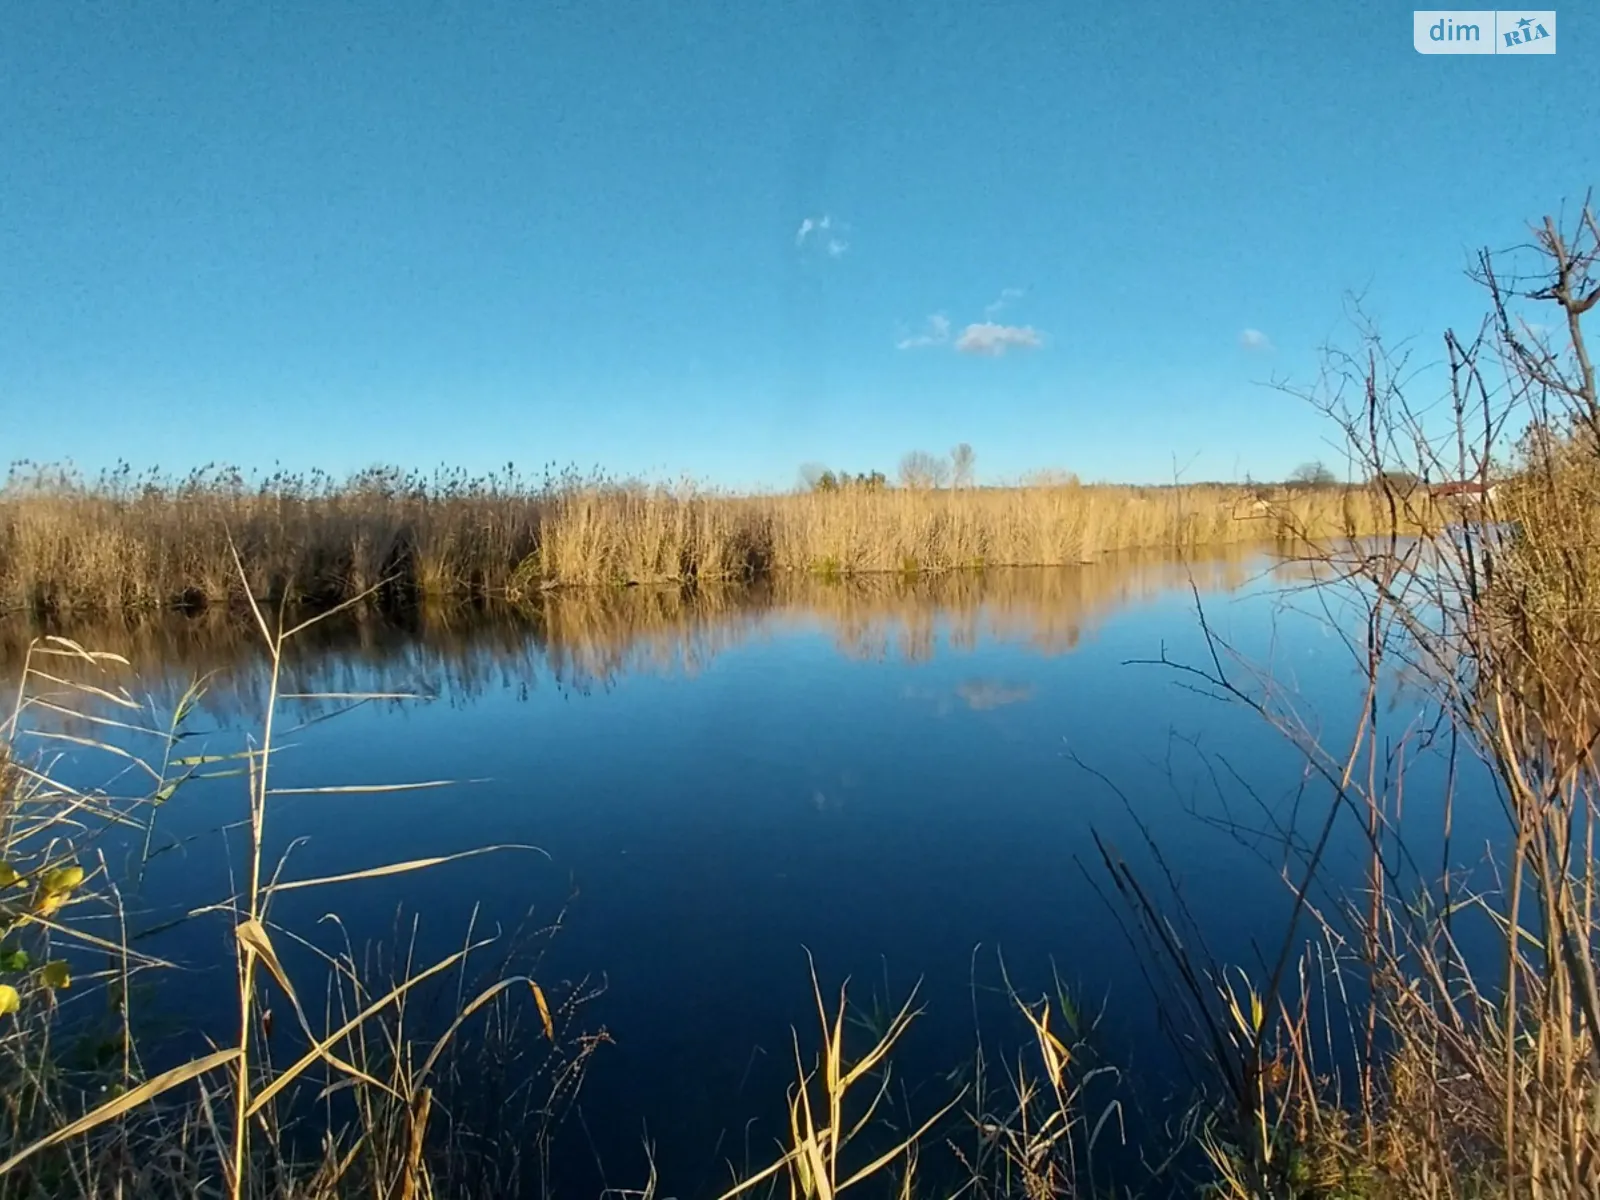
[{"x": 887, "y": 780}]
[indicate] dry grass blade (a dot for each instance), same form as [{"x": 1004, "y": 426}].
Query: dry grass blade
[
  {"x": 119, "y": 950},
  {"x": 125, "y": 1103},
  {"x": 253, "y": 936},
  {"x": 60, "y": 647},
  {"x": 905, "y": 1148},
  {"x": 477, "y": 1002},
  {"x": 89, "y": 718},
  {"x": 67, "y": 648},
  {"x": 363, "y": 789},
  {"x": 103, "y": 747},
  {"x": 897, "y": 1026},
  {"x": 816, "y": 1154},
  {"x": 254, "y": 939},
  {"x": 122, "y": 700},
  {"x": 1056, "y": 1054},
  {"x": 323, "y": 1048},
  {"x": 411, "y": 1176},
  {"x": 401, "y": 868}
]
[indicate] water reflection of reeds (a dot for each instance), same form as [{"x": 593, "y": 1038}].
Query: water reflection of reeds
[{"x": 587, "y": 638}]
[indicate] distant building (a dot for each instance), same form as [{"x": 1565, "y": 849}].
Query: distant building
[{"x": 1467, "y": 491}]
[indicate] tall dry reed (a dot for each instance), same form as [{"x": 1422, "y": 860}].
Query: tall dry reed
[
  {"x": 127, "y": 543},
  {"x": 345, "y": 1091},
  {"x": 1458, "y": 1009},
  {"x": 1430, "y": 1032}
]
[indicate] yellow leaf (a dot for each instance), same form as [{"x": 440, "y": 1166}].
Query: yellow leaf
[
  {"x": 8, "y": 875},
  {"x": 9, "y": 1000},
  {"x": 62, "y": 879},
  {"x": 55, "y": 975},
  {"x": 56, "y": 888}
]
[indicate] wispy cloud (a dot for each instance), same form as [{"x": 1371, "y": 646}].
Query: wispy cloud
[
  {"x": 937, "y": 333},
  {"x": 812, "y": 225},
  {"x": 1254, "y": 339},
  {"x": 823, "y": 233},
  {"x": 1007, "y": 297},
  {"x": 988, "y": 338}
]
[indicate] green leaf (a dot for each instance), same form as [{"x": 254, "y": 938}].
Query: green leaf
[
  {"x": 14, "y": 960},
  {"x": 196, "y": 760},
  {"x": 9, "y": 1000},
  {"x": 8, "y": 875},
  {"x": 55, "y": 975}
]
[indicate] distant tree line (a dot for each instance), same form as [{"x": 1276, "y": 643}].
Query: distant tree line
[
  {"x": 919, "y": 470},
  {"x": 823, "y": 480},
  {"x": 1317, "y": 475},
  {"x": 923, "y": 470}
]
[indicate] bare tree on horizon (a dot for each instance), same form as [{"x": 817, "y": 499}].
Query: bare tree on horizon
[
  {"x": 1313, "y": 474},
  {"x": 961, "y": 464},
  {"x": 919, "y": 469}
]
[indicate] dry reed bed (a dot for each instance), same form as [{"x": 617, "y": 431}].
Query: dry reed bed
[{"x": 67, "y": 545}]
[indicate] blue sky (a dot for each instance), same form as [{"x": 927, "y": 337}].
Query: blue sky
[{"x": 723, "y": 239}]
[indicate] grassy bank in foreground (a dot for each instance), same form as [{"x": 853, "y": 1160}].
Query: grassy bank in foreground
[{"x": 124, "y": 543}]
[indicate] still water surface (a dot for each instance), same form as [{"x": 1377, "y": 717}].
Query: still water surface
[{"x": 902, "y": 779}]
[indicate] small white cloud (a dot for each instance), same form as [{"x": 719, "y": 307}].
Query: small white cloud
[
  {"x": 1007, "y": 296},
  {"x": 1254, "y": 339},
  {"x": 937, "y": 334},
  {"x": 993, "y": 340},
  {"x": 822, "y": 235},
  {"x": 987, "y": 337},
  {"x": 811, "y": 225}
]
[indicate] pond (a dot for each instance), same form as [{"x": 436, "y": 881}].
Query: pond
[{"x": 902, "y": 779}]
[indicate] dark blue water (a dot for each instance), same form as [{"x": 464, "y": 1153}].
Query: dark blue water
[{"x": 902, "y": 780}]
